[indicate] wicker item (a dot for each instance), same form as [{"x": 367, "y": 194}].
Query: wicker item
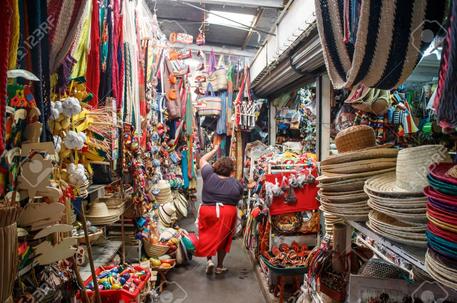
[
  {"x": 403, "y": 217},
  {"x": 92, "y": 237},
  {"x": 154, "y": 250},
  {"x": 360, "y": 166},
  {"x": 396, "y": 238},
  {"x": 365, "y": 154},
  {"x": 355, "y": 138},
  {"x": 8, "y": 249}
]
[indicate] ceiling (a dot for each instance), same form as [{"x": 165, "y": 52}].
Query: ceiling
[{"x": 180, "y": 16}]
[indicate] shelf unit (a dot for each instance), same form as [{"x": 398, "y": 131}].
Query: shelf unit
[
  {"x": 102, "y": 255},
  {"x": 414, "y": 256}
]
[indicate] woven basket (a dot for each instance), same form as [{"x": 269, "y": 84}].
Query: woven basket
[
  {"x": 154, "y": 250},
  {"x": 355, "y": 138}
]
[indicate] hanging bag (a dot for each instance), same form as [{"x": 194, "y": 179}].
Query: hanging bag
[{"x": 209, "y": 105}]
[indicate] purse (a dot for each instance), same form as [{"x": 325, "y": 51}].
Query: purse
[
  {"x": 209, "y": 105},
  {"x": 218, "y": 79}
]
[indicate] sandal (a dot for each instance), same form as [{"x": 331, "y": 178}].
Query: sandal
[
  {"x": 221, "y": 270},
  {"x": 209, "y": 267}
]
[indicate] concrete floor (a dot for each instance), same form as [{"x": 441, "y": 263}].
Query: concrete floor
[{"x": 190, "y": 284}]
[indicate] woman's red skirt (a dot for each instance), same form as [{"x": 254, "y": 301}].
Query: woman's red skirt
[{"x": 215, "y": 229}]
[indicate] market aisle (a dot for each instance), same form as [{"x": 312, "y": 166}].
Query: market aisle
[{"x": 191, "y": 284}]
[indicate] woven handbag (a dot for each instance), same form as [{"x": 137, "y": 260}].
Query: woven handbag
[
  {"x": 209, "y": 105},
  {"x": 218, "y": 79}
]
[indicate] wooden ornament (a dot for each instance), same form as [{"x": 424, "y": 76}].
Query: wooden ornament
[
  {"x": 32, "y": 132},
  {"x": 56, "y": 228},
  {"x": 47, "y": 147},
  {"x": 47, "y": 253},
  {"x": 35, "y": 214}
]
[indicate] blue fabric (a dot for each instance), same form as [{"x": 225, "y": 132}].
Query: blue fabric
[
  {"x": 221, "y": 128},
  {"x": 184, "y": 169}
]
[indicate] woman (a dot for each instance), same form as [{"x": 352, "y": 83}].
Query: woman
[{"x": 218, "y": 212}]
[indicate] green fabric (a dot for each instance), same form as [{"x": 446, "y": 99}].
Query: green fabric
[{"x": 189, "y": 115}]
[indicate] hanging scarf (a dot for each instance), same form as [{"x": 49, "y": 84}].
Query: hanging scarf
[
  {"x": 445, "y": 102},
  {"x": 388, "y": 37},
  {"x": 93, "y": 62},
  {"x": 81, "y": 46},
  {"x": 105, "y": 89},
  {"x": 185, "y": 168},
  {"x": 6, "y": 14}
]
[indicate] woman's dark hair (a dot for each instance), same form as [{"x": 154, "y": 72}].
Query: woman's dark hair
[{"x": 224, "y": 166}]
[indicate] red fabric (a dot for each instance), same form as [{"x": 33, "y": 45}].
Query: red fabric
[
  {"x": 5, "y": 28},
  {"x": 215, "y": 233},
  {"x": 116, "y": 35},
  {"x": 306, "y": 197},
  {"x": 93, "y": 62}
]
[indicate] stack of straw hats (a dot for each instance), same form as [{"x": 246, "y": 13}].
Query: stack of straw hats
[
  {"x": 441, "y": 259},
  {"x": 343, "y": 176},
  {"x": 100, "y": 214},
  {"x": 164, "y": 192},
  {"x": 170, "y": 212},
  {"x": 397, "y": 199}
]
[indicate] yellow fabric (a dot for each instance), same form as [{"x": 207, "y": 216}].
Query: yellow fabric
[
  {"x": 14, "y": 44},
  {"x": 81, "y": 51}
]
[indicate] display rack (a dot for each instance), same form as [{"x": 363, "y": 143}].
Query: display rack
[{"x": 412, "y": 255}]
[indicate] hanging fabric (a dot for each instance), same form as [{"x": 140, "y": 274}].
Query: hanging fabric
[
  {"x": 445, "y": 102},
  {"x": 6, "y": 14},
  {"x": 106, "y": 71},
  {"x": 221, "y": 128},
  {"x": 388, "y": 37},
  {"x": 93, "y": 62}
]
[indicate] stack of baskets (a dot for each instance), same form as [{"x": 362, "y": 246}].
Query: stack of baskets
[
  {"x": 397, "y": 199},
  {"x": 343, "y": 176}
]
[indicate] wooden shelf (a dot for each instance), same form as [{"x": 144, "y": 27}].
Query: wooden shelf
[{"x": 102, "y": 254}]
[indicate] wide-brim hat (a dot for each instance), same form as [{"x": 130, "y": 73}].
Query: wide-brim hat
[
  {"x": 391, "y": 223},
  {"x": 360, "y": 166},
  {"x": 330, "y": 177},
  {"x": 440, "y": 172},
  {"x": 342, "y": 185},
  {"x": 100, "y": 210},
  {"x": 441, "y": 269},
  {"x": 436, "y": 195},
  {"x": 353, "y": 216},
  {"x": 411, "y": 171},
  {"x": 444, "y": 187},
  {"x": 406, "y": 217},
  {"x": 448, "y": 235},
  {"x": 180, "y": 204},
  {"x": 413, "y": 241},
  {"x": 364, "y": 154}
]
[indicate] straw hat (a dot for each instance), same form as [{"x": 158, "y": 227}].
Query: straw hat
[
  {"x": 331, "y": 177},
  {"x": 100, "y": 214},
  {"x": 406, "y": 217},
  {"x": 360, "y": 166},
  {"x": 164, "y": 194},
  {"x": 355, "y": 138},
  {"x": 420, "y": 242},
  {"x": 443, "y": 172},
  {"x": 167, "y": 213},
  {"x": 364, "y": 154},
  {"x": 393, "y": 224},
  {"x": 441, "y": 269},
  {"x": 410, "y": 176}
]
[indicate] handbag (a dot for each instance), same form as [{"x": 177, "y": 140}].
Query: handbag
[
  {"x": 218, "y": 79},
  {"x": 209, "y": 105}
]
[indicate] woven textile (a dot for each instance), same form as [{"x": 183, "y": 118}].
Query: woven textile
[
  {"x": 445, "y": 102},
  {"x": 387, "y": 43}
]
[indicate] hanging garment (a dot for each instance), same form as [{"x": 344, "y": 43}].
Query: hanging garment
[
  {"x": 388, "y": 38},
  {"x": 117, "y": 51},
  {"x": 221, "y": 128},
  {"x": 445, "y": 103},
  {"x": 81, "y": 46},
  {"x": 93, "y": 61},
  {"x": 64, "y": 19},
  {"x": 106, "y": 23},
  {"x": 36, "y": 14},
  {"x": 14, "y": 38},
  {"x": 6, "y": 14}
]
